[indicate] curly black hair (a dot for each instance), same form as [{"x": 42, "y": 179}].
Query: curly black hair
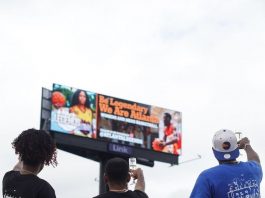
[
  {"x": 35, "y": 147},
  {"x": 75, "y": 98}
]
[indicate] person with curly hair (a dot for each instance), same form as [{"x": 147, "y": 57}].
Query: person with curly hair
[{"x": 35, "y": 148}]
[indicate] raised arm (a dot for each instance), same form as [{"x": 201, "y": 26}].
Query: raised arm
[
  {"x": 244, "y": 143},
  {"x": 140, "y": 184}
]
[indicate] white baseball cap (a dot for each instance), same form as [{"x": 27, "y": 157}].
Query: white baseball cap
[{"x": 225, "y": 145}]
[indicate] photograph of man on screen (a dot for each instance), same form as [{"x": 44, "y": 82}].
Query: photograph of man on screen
[{"x": 169, "y": 140}]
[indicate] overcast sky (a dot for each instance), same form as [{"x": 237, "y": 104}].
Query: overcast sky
[{"x": 204, "y": 58}]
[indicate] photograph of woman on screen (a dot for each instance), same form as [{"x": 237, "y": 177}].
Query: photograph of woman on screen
[{"x": 80, "y": 105}]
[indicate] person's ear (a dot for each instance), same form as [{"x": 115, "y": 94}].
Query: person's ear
[
  {"x": 128, "y": 178},
  {"x": 106, "y": 179}
]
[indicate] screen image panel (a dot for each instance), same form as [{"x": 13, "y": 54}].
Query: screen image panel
[
  {"x": 139, "y": 125},
  {"x": 73, "y": 111},
  {"x": 169, "y": 131},
  {"x": 125, "y": 122}
]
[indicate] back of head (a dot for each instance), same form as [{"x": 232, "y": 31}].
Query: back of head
[
  {"x": 117, "y": 170},
  {"x": 35, "y": 147},
  {"x": 225, "y": 145}
]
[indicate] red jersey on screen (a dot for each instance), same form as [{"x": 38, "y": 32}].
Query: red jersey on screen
[{"x": 170, "y": 132}]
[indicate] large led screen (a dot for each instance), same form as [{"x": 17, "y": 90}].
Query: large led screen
[{"x": 107, "y": 118}]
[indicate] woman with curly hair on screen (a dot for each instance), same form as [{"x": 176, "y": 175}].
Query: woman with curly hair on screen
[
  {"x": 35, "y": 148},
  {"x": 81, "y": 107}
]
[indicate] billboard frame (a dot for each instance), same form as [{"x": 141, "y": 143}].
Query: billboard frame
[{"x": 96, "y": 149}]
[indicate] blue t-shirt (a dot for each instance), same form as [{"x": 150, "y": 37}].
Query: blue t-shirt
[{"x": 229, "y": 181}]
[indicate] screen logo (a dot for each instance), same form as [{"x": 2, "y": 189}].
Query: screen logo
[{"x": 119, "y": 149}]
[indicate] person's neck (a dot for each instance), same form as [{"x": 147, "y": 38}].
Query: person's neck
[
  {"x": 82, "y": 107},
  {"x": 229, "y": 162},
  {"x": 118, "y": 188},
  {"x": 29, "y": 170},
  {"x": 167, "y": 125}
]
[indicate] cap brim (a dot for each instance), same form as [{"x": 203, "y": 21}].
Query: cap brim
[{"x": 221, "y": 156}]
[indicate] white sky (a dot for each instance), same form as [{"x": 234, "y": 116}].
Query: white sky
[{"x": 204, "y": 58}]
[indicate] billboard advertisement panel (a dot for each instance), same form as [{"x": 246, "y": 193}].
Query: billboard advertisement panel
[
  {"x": 73, "y": 111},
  {"x": 114, "y": 120}
]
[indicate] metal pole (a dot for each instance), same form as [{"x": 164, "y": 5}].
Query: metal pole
[{"x": 102, "y": 186}]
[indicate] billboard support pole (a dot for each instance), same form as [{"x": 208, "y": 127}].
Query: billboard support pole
[{"x": 102, "y": 186}]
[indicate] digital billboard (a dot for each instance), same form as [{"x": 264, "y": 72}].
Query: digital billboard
[{"x": 116, "y": 121}]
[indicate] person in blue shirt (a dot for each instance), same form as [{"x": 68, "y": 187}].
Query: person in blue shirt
[{"x": 231, "y": 178}]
